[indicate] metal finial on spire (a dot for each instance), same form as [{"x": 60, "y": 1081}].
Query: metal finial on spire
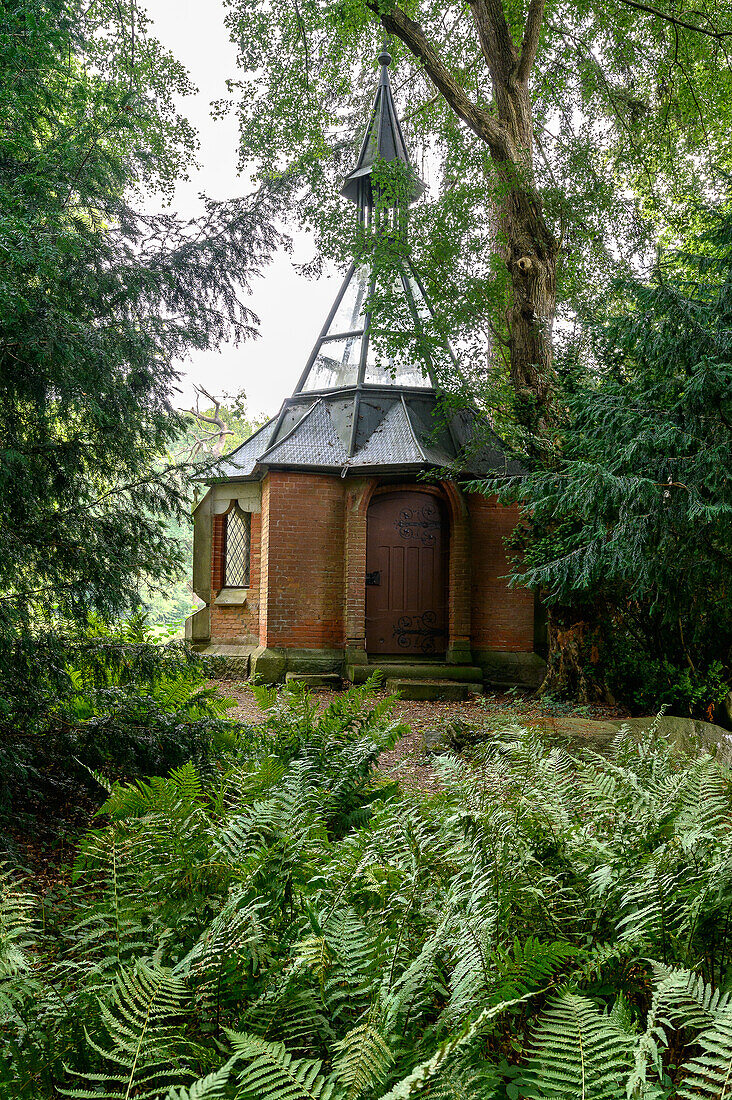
[
  {"x": 385, "y": 56},
  {"x": 383, "y": 141}
]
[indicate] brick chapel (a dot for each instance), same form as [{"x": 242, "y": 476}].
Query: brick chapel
[{"x": 337, "y": 539}]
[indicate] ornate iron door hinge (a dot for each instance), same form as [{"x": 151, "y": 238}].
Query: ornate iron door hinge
[
  {"x": 374, "y": 578},
  {"x": 419, "y": 524},
  {"x": 418, "y": 631}
]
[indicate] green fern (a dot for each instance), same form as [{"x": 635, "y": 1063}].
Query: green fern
[
  {"x": 214, "y": 1086},
  {"x": 577, "y": 1052},
  {"x": 413, "y": 991},
  {"x": 225, "y": 963},
  {"x": 352, "y": 981},
  {"x": 681, "y": 999},
  {"x": 361, "y": 940},
  {"x": 143, "y": 1050},
  {"x": 265, "y": 696},
  {"x": 181, "y": 789},
  {"x": 439, "y": 1062},
  {"x": 528, "y": 966},
  {"x": 470, "y": 1083},
  {"x": 362, "y": 1060},
  {"x": 273, "y": 1074},
  {"x": 17, "y": 928},
  {"x": 709, "y": 1073}
]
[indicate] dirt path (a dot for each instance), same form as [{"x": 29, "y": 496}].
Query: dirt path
[{"x": 411, "y": 764}]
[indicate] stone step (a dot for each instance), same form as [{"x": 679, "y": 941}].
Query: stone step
[
  {"x": 415, "y": 670},
  {"x": 425, "y": 690},
  {"x": 315, "y": 680}
]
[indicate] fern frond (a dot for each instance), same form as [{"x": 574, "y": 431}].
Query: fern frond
[
  {"x": 577, "y": 1052},
  {"x": 182, "y": 788},
  {"x": 144, "y": 1049},
  {"x": 470, "y": 1083},
  {"x": 313, "y": 954},
  {"x": 17, "y": 920},
  {"x": 351, "y": 984},
  {"x": 286, "y": 1011},
  {"x": 709, "y": 1074},
  {"x": 414, "y": 989},
  {"x": 471, "y": 973},
  {"x": 224, "y": 964},
  {"x": 439, "y": 1061},
  {"x": 273, "y": 1074},
  {"x": 265, "y": 697},
  {"x": 362, "y": 1060},
  {"x": 526, "y": 967},
  {"x": 652, "y": 906},
  {"x": 686, "y": 998},
  {"x": 211, "y": 1087}
]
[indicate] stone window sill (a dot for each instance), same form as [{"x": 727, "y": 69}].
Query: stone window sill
[{"x": 232, "y": 597}]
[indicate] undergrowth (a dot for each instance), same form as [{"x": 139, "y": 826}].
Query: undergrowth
[
  {"x": 115, "y": 704},
  {"x": 284, "y": 922}
]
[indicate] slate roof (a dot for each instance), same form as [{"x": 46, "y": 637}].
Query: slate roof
[
  {"x": 314, "y": 441},
  {"x": 403, "y": 432},
  {"x": 393, "y": 439}
]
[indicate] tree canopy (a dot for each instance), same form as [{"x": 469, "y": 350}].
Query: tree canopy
[
  {"x": 562, "y": 141},
  {"x": 632, "y": 519},
  {"x": 98, "y": 301}
]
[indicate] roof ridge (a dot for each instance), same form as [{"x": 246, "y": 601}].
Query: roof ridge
[{"x": 411, "y": 428}]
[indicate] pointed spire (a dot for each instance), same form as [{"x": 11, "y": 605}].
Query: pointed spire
[{"x": 384, "y": 141}]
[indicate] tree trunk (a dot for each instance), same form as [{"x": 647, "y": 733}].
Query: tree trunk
[
  {"x": 527, "y": 245},
  {"x": 531, "y": 259},
  {"x": 575, "y": 638}
]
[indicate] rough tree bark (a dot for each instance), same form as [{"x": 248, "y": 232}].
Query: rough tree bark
[
  {"x": 575, "y": 638},
  {"x": 528, "y": 245}
]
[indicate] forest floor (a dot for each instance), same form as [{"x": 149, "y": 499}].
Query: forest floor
[{"x": 410, "y": 760}]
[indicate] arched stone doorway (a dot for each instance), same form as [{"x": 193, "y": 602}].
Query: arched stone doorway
[{"x": 407, "y": 546}]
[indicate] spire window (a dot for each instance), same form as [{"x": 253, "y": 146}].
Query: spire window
[
  {"x": 350, "y": 315},
  {"x": 335, "y": 365}
]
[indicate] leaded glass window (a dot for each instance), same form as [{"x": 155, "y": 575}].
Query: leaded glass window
[{"x": 238, "y": 537}]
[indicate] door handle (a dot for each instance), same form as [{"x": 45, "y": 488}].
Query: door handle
[{"x": 374, "y": 578}]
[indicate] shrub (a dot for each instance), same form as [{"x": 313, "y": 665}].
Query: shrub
[{"x": 123, "y": 707}]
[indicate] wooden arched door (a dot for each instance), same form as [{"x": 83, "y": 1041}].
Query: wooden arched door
[{"x": 406, "y": 574}]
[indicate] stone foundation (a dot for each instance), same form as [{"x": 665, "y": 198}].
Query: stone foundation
[{"x": 271, "y": 666}]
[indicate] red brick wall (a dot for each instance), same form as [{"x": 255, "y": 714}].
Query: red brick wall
[
  {"x": 218, "y": 524},
  {"x": 356, "y": 501},
  {"x": 235, "y": 625},
  {"x": 306, "y": 573},
  {"x": 303, "y": 546},
  {"x": 459, "y": 568},
  {"x": 502, "y": 617},
  {"x": 264, "y": 564}
]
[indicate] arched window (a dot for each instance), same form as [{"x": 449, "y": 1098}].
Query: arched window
[{"x": 237, "y": 538}]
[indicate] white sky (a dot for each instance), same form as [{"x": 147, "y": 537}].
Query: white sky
[{"x": 291, "y": 308}]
